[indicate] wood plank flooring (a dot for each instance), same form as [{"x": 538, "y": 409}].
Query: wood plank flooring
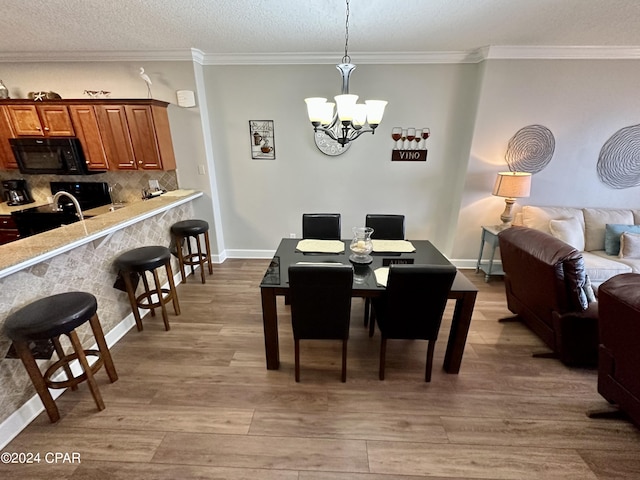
[{"x": 198, "y": 403}]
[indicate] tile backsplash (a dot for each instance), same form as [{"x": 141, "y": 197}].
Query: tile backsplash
[{"x": 127, "y": 185}]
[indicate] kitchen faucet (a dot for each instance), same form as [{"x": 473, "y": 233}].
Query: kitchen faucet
[{"x": 62, "y": 193}]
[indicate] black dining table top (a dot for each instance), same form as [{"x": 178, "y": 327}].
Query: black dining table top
[{"x": 277, "y": 274}]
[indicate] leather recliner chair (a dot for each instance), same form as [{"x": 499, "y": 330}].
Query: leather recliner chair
[
  {"x": 545, "y": 281},
  {"x": 619, "y": 355}
]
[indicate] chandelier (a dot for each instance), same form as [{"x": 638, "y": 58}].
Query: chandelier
[{"x": 351, "y": 119}]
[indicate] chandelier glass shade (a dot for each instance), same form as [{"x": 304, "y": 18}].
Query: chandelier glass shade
[{"x": 346, "y": 119}]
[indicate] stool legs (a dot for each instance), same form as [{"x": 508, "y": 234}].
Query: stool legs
[
  {"x": 179, "y": 240},
  {"x": 161, "y": 300},
  {"x": 23, "y": 351},
  {"x": 172, "y": 288},
  {"x": 139, "y": 301},
  {"x": 192, "y": 259},
  {"x": 132, "y": 300},
  {"x": 61, "y": 354},
  {"x": 208, "y": 247},
  {"x": 93, "y": 386},
  {"x": 105, "y": 354},
  {"x": 42, "y": 384}
]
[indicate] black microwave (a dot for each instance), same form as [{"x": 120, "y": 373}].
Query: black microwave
[{"x": 58, "y": 156}]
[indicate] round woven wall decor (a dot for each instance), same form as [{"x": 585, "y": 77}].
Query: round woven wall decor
[
  {"x": 619, "y": 160},
  {"x": 530, "y": 149}
]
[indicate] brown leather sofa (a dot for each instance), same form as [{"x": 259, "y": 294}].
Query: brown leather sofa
[
  {"x": 545, "y": 280},
  {"x": 619, "y": 355}
]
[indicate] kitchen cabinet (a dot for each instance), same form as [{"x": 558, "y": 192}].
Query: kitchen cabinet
[
  {"x": 7, "y": 159},
  {"x": 46, "y": 120},
  {"x": 136, "y": 136},
  {"x": 85, "y": 123},
  {"x": 8, "y": 229},
  {"x": 150, "y": 137},
  {"x": 115, "y": 134}
]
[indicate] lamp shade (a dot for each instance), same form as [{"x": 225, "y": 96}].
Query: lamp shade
[{"x": 512, "y": 185}]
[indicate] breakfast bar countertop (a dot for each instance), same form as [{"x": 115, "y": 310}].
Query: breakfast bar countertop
[{"x": 25, "y": 252}]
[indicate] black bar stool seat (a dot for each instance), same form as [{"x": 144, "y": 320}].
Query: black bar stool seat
[
  {"x": 142, "y": 260},
  {"x": 48, "y": 318},
  {"x": 184, "y": 230}
]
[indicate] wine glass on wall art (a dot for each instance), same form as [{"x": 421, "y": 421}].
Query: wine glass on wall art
[
  {"x": 411, "y": 135},
  {"x": 396, "y": 134}
]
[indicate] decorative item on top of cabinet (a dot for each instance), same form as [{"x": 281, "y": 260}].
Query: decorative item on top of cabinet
[
  {"x": 85, "y": 122},
  {"x": 7, "y": 159},
  {"x": 42, "y": 120}
]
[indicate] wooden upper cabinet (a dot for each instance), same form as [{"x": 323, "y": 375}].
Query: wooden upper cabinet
[
  {"x": 41, "y": 120},
  {"x": 7, "y": 158},
  {"x": 150, "y": 137},
  {"x": 115, "y": 136},
  {"x": 136, "y": 136},
  {"x": 85, "y": 122}
]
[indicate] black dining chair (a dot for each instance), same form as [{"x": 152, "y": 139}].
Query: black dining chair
[
  {"x": 412, "y": 306},
  {"x": 385, "y": 227},
  {"x": 321, "y": 226},
  {"x": 320, "y": 298}
]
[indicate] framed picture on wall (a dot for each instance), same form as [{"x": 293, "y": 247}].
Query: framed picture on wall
[{"x": 263, "y": 145}]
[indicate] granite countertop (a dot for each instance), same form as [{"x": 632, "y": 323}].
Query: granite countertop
[
  {"x": 6, "y": 209},
  {"x": 28, "y": 251}
]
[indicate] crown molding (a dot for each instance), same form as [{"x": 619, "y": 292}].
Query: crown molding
[
  {"x": 361, "y": 58},
  {"x": 506, "y": 52},
  {"x": 500, "y": 52},
  {"x": 97, "y": 56}
]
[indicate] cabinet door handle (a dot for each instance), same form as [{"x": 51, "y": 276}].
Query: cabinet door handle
[{"x": 46, "y": 129}]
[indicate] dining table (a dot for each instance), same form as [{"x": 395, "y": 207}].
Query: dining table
[{"x": 366, "y": 284}]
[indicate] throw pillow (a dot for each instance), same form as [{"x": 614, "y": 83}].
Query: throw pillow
[
  {"x": 569, "y": 230},
  {"x": 630, "y": 245},
  {"x": 588, "y": 289},
  {"x": 612, "y": 233}
]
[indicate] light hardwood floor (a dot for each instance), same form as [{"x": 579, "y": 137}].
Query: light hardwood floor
[{"x": 198, "y": 402}]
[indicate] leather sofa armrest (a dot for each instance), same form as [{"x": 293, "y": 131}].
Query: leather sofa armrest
[{"x": 576, "y": 336}]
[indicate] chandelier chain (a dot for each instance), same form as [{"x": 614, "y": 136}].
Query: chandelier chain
[{"x": 346, "y": 58}]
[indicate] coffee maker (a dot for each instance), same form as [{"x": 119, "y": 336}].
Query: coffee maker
[{"x": 15, "y": 192}]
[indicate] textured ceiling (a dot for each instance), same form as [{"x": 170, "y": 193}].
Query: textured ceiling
[{"x": 313, "y": 26}]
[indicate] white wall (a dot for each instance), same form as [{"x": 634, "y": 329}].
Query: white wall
[
  {"x": 263, "y": 200},
  {"x": 583, "y": 102},
  {"x": 472, "y": 109}
]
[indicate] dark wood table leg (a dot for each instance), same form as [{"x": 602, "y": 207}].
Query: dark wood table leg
[
  {"x": 459, "y": 330},
  {"x": 270, "y": 324}
]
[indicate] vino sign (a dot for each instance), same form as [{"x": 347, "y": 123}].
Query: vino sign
[{"x": 409, "y": 155}]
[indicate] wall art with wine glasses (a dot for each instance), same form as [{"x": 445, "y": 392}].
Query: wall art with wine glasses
[{"x": 409, "y": 144}]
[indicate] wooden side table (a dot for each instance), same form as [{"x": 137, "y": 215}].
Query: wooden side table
[{"x": 490, "y": 237}]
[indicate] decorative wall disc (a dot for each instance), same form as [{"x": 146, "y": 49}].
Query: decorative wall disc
[
  {"x": 619, "y": 160},
  {"x": 530, "y": 149},
  {"x": 329, "y": 146}
]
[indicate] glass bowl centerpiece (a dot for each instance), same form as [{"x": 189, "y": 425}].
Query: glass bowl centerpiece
[{"x": 361, "y": 245}]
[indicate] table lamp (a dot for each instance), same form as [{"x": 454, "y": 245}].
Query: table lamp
[{"x": 511, "y": 185}]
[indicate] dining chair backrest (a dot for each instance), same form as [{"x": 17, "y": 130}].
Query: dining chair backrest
[
  {"x": 414, "y": 302},
  {"x": 321, "y": 226},
  {"x": 320, "y": 298},
  {"x": 386, "y": 227}
]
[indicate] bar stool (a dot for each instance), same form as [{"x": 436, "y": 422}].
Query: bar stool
[
  {"x": 148, "y": 259},
  {"x": 183, "y": 231},
  {"x": 47, "y": 319}
]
